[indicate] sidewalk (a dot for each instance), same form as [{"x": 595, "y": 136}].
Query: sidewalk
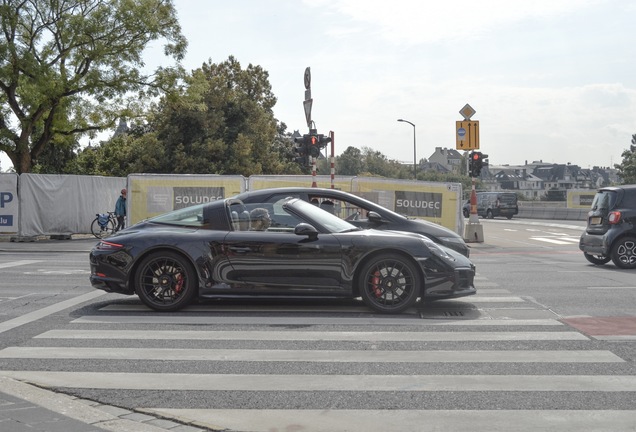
[
  {"x": 27, "y": 408},
  {"x": 77, "y": 243}
]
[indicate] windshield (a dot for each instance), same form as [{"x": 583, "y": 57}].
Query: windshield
[
  {"x": 322, "y": 217},
  {"x": 191, "y": 216}
]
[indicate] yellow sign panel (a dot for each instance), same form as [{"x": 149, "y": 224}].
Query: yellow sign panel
[{"x": 467, "y": 135}]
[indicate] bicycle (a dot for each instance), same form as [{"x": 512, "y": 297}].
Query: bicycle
[{"x": 104, "y": 224}]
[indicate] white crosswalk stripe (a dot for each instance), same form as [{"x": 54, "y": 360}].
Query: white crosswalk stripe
[
  {"x": 557, "y": 240},
  {"x": 259, "y": 368}
]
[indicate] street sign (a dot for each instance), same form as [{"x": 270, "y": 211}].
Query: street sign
[
  {"x": 307, "y": 77},
  {"x": 467, "y": 136},
  {"x": 467, "y": 112},
  {"x": 307, "y": 105}
]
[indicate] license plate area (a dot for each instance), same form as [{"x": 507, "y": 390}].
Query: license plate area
[{"x": 596, "y": 220}]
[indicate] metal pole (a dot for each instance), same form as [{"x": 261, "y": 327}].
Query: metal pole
[{"x": 414, "y": 148}]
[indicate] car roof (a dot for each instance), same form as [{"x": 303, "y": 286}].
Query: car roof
[{"x": 630, "y": 187}]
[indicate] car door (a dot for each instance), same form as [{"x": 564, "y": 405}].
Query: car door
[{"x": 280, "y": 259}]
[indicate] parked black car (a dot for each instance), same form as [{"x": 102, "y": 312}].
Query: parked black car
[
  {"x": 213, "y": 250},
  {"x": 361, "y": 213},
  {"x": 611, "y": 228}
]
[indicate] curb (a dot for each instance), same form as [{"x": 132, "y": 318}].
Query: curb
[{"x": 104, "y": 417}]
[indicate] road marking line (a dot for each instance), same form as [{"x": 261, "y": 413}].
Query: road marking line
[
  {"x": 273, "y": 320},
  {"x": 49, "y": 310},
  {"x": 289, "y": 382},
  {"x": 19, "y": 263},
  {"x": 549, "y": 240},
  {"x": 316, "y": 356},
  {"x": 392, "y": 420},
  {"x": 309, "y": 335}
]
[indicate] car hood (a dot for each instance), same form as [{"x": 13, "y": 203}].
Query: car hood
[{"x": 432, "y": 228}]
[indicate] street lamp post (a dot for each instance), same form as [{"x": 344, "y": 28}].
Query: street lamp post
[{"x": 414, "y": 148}]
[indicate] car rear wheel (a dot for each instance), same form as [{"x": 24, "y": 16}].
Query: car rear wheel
[
  {"x": 165, "y": 281},
  {"x": 489, "y": 214},
  {"x": 389, "y": 284},
  {"x": 597, "y": 259},
  {"x": 624, "y": 253}
]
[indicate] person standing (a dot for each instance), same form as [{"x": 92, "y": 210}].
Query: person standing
[{"x": 120, "y": 210}]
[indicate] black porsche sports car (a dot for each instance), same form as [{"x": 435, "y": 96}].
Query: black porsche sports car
[
  {"x": 361, "y": 213},
  {"x": 289, "y": 247}
]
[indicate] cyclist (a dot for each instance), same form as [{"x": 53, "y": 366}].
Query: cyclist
[{"x": 120, "y": 210}]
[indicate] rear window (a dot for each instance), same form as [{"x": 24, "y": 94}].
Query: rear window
[
  {"x": 508, "y": 198},
  {"x": 604, "y": 200}
]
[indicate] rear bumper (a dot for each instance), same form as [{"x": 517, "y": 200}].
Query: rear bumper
[
  {"x": 109, "y": 285},
  {"x": 594, "y": 244}
]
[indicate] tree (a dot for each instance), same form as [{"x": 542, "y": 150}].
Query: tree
[
  {"x": 350, "y": 162},
  {"x": 223, "y": 123},
  {"x": 627, "y": 169},
  {"x": 73, "y": 67}
]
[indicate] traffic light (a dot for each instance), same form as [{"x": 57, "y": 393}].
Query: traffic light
[
  {"x": 476, "y": 163},
  {"x": 323, "y": 141},
  {"x": 313, "y": 145},
  {"x": 300, "y": 148}
]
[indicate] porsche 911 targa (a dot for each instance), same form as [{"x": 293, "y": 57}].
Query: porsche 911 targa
[{"x": 286, "y": 248}]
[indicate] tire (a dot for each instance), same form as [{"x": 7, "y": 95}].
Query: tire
[
  {"x": 489, "y": 214},
  {"x": 389, "y": 283},
  {"x": 100, "y": 233},
  {"x": 466, "y": 213},
  {"x": 509, "y": 217},
  {"x": 597, "y": 259},
  {"x": 166, "y": 281},
  {"x": 624, "y": 253}
]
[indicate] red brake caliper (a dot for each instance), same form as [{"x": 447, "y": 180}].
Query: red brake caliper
[
  {"x": 375, "y": 282},
  {"x": 179, "y": 286}
]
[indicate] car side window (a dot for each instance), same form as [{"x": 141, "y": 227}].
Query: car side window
[{"x": 279, "y": 219}]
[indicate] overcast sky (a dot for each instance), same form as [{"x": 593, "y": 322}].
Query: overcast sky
[{"x": 551, "y": 80}]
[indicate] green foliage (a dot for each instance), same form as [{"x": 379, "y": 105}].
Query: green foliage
[
  {"x": 73, "y": 67},
  {"x": 219, "y": 121},
  {"x": 627, "y": 169}
]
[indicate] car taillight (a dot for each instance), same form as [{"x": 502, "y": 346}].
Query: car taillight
[
  {"x": 106, "y": 245},
  {"x": 614, "y": 217}
]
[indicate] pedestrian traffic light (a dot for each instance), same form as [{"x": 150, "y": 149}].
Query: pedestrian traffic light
[{"x": 313, "y": 145}]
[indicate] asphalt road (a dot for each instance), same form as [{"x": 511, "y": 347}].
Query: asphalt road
[{"x": 548, "y": 342}]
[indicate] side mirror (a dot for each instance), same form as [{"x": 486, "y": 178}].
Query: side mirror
[
  {"x": 304, "y": 229},
  {"x": 375, "y": 217}
]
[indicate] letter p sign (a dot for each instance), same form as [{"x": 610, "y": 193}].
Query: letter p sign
[{"x": 5, "y": 198}]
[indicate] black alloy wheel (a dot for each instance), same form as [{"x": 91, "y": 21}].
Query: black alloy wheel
[
  {"x": 165, "y": 281},
  {"x": 389, "y": 284},
  {"x": 624, "y": 253},
  {"x": 596, "y": 259}
]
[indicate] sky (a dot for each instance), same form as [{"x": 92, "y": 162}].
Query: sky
[{"x": 550, "y": 80}]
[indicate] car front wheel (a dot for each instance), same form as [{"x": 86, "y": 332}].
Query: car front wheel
[
  {"x": 624, "y": 253},
  {"x": 389, "y": 284},
  {"x": 165, "y": 281},
  {"x": 597, "y": 259}
]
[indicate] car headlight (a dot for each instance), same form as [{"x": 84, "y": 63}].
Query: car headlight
[
  {"x": 457, "y": 240},
  {"x": 437, "y": 250}
]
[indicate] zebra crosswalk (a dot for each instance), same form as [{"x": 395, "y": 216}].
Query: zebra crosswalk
[{"x": 259, "y": 368}]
